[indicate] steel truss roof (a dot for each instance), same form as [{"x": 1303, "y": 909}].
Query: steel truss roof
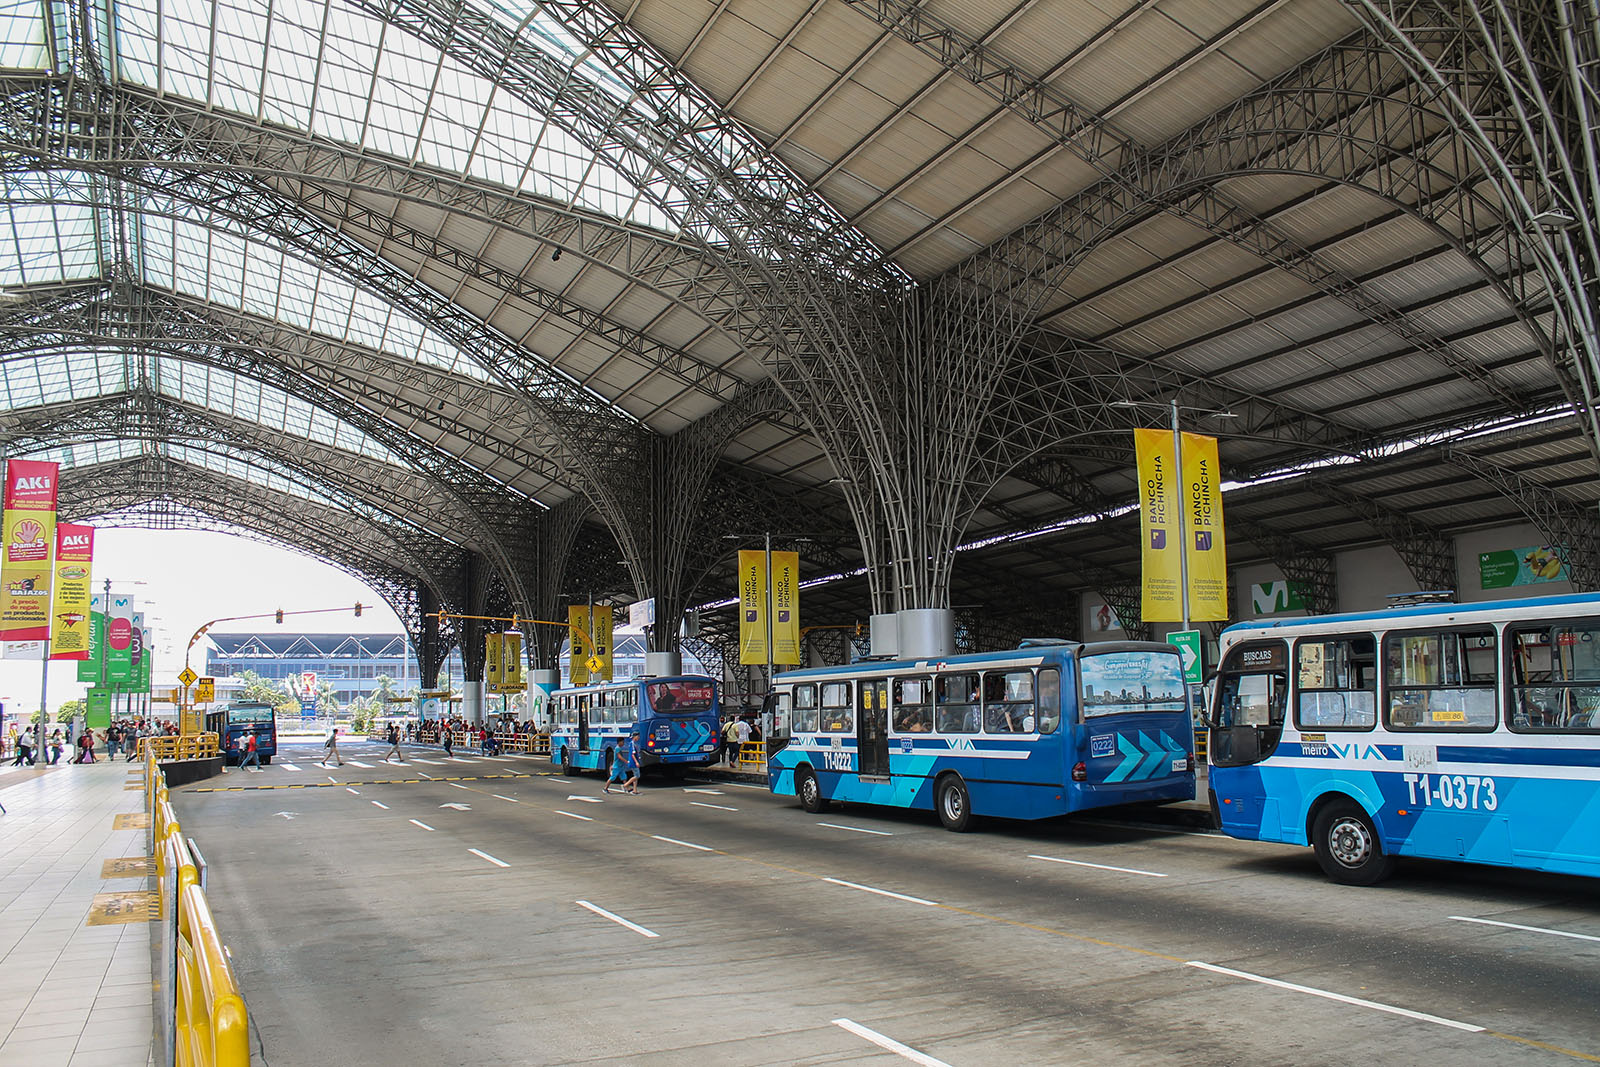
[{"x": 895, "y": 280}]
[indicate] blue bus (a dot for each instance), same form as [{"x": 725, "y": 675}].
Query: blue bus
[
  {"x": 1451, "y": 731},
  {"x": 1048, "y": 728},
  {"x": 675, "y": 718},
  {"x": 233, "y": 723}
]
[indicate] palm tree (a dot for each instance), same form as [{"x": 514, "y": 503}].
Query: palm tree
[
  {"x": 327, "y": 699},
  {"x": 382, "y": 690}
]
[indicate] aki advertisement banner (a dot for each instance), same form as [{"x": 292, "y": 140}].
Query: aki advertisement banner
[
  {"x": 1204, "y": 545},
  {"x": 29, "y": 524},
  {"x": 1158, "y": 526},
  {"x": 752, "y": 606},
  {"x": 785, "y": 607},
  {"x": 69, "y": 608}
]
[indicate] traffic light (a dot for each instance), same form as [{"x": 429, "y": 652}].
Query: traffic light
[
  {"x": 358, "y": 609},
  {"x": 280, "y": 616}
]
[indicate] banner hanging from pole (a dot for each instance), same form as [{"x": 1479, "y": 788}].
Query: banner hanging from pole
[
  {"x": 578, "y": 635},
  {"x": 511, "y": 680},
  {"x": 1158, "y": 526},
  {"x": 1204, "y": 543},
  {"x": 492, "y": 646},
  {"x": 119, "y": 640},
  {"x": 785, "y": 607},
  {"x": 29, "y": 523},
  {"x": 752, "y": 606},
  {"x": 69, "y": 608},
  {"x": 604, "y": 619},
  {"x": 93, "y": 669}
]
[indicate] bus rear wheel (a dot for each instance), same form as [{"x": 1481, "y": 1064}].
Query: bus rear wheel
[
  {"x": 1347, "y": 845},
  {"x": 566, "y": 761},
  {"x": 954, "y": 804},
  {"x": 810, "y": 791}
]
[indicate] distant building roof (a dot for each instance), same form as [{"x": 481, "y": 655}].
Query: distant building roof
[{"x": 311, "y": 646}]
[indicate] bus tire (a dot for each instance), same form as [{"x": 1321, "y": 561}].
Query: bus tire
[
  {"x": 1347, "y": 845},
  {"x": 954, "y": 804},
  {"x": 566, "y": 761},
  {"x": 809, "y": 790}
]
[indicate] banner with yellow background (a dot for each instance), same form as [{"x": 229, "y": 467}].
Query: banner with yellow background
[
  {"x": 1204, "y": 545},
  {"x": 1158, "y": 526},
  {"x": 69, "y": 608}
]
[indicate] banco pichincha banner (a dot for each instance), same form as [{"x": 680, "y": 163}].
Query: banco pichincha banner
[
  {"x": 1180, "y": 511},
  {"x": 590, "y": 633},
  {"x": 29, "y": 523}
]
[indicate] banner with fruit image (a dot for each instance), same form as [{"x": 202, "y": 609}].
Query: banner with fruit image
[
  {"x": 69, "y": 609},
  {"x": 29, "y": 525},
  {"x": 1521, "y": 566}
]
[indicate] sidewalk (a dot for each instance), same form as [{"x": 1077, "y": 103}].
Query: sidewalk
[{"x": 72, "y": 993}]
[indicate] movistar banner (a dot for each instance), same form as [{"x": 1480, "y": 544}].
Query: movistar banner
[
  {"x": 1158, "y": 526},
  {"x": 752, "y": 607},
  {"x": 119, "y": 640},
  {"x": 69, "y": 610},
  {"x": 147, "y": 663},
  {"x": 29, "y": 522},
  {"x": 136, "y": 653},
  {"x": 1204, "y": 545}
]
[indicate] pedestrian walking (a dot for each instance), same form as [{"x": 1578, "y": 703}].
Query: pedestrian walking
[
  {"x": 632, "y": 783},
  {"x": 394, "y": 745},
  {"x": 332, "y": 745},
  {"x": 730, "y": 741},
  {"x": 85, "y": 747},
  {"x": 24, "y": 750},
  {"x": 55, "y": 748},
  {"x": 251, "y": 760},
  {"x": 619, "y": 767},
  {"x": 444, "y": 736}
]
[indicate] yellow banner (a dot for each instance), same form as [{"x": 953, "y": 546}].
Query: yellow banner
[
  {"x": 786, "y": 607},
  {"x": 491, "y": 662},
  {"x": 1204, "y": 544},
  {"x": 69, "y": 609},
  {"x": 29, "y": 525},
  {"x": 752, "y": 607},
  {"x": 578, "y": 634},
  {"x": 1158, "y": 526},
  {"x": 511, "y": 680},
  {"x": 603, "y": 618}
]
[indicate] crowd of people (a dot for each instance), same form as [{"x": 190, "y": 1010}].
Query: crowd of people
[{"x": 121, "y": 738}]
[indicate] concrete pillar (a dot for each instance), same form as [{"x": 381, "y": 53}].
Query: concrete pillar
[
  {"x": 926, "y": 633},
  {"x": 472, "y": 701},
  {"x": 541, "y": 683},
  {"x": 662, "y": 664}
]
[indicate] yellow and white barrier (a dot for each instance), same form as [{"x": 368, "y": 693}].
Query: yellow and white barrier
[
  {"x": 181, "y": 746},
  {"x": 209, "y": 1023}
]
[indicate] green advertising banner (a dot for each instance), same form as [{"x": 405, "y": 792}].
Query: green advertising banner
[
  {"x": 146, "y": 666},
  {"x": 89, "y": 670},
  {"x": 97, "y": 708},
  {"x": 1521, "y": 566}
]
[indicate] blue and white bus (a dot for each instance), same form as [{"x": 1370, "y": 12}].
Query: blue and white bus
[
  {"x": 676, "y": 720},
  {"x": 1452, "y": 731},
  {"x": 1048, "y": 728},
  {"x": 237, "y": 721}
]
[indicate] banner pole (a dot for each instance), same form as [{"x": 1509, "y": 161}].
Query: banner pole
[
  {"x": 767, "y": 614},
  {"x": 1183, "y": 543}
]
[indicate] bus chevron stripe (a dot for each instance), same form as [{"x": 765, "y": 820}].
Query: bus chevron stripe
[
  {"x": 1131, "y": 756},
  {"x": 1157, "y": 755}
]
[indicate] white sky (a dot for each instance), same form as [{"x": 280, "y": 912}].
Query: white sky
[{"x": 190, "y": 578}]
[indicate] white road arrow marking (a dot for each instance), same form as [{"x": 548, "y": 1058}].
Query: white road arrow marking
[
  {"x": 458, "y": 807},
  {"x": 286, "y": 814},
  {"x": 707, "y": 792}
]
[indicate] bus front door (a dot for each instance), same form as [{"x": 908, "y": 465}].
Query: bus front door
[
  {"x": 872, "y": 729},
  {"x": 583, "y": 729}
]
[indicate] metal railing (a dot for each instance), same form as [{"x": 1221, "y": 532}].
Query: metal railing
[
  {"x": 179, "y": 746},
  {"x": 203, "y": 1015}
]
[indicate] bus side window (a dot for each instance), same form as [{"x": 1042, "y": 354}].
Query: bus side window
[
  {"x": 805, "y": 709},
  {"x": 1048, "y": 701},
  {"x": 1440, "y": 680},
  {"x": 956, "y": 696},
  {"x": 836, "y": 708},
  {"x": 1008, "y": 702},
  {"x": 912, "y": 714},
  {"x": 1555, "y": 677},
  {"x": 1336, "y": 683}
]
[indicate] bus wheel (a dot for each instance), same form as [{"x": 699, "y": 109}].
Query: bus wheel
[
  {"x": 954, "y": 804},
  {"x": 811, "y": 799},
  {"x": 566, "y": 761},
  {"x": 1347, "y": 845}
]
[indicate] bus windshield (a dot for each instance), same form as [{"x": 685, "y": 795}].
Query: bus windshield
[
  {"x": 250, "y": 713},
  {"x": 680, "y": 698},
  {"x": 1133, "y": 682}
]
